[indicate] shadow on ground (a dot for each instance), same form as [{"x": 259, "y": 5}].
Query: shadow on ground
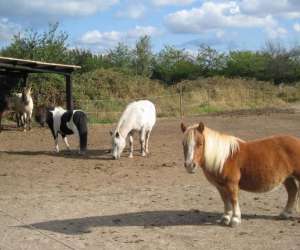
[
  {"x": 144, "y": 219},
  {"x": 101, "y": 154}
]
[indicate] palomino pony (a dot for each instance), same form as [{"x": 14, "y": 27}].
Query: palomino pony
[
  {"x": 22, "y": 104},
  {"x": 230, "y": 164},
  {"x": 138, "y": 116},
  {"x": 64, "y": 122}
]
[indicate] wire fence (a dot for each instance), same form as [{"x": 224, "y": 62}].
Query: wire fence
[{"x": 180, "y": 103}]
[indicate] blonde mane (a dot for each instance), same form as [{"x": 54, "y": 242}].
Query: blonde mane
[{"x": 218, "y": 147}]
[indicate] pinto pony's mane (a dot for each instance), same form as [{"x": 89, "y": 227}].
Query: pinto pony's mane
[{"x": 217, "y": 148}]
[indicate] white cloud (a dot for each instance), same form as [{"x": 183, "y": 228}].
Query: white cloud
[
  {"x": 284, "y": 8},
  {"x": 104, "y": 40},
  {"x": 276, "y": 32},
  {"x": 54, "y": 7},
  {"x": 133, "y": 11},
  {"x": 172, "y": 2},
  {"x": 212, "y": 16},
  {"x": 139, "y": 31},
  {"x": 8, "y": 29},
  {"x": 296, "y": 27}
]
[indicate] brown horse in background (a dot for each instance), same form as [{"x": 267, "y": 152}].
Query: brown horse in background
[{"x": 230, "y": 164}]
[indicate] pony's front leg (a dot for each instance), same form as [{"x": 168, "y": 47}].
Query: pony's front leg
[
  {"x": 24, "y": 120},
  {"x": 142, "y": 141},
  {"x": 226, "y": 217},
  {"x": 17, "y": 115},
  {"x": 66, "y": 141},
  {"x": 131, "y": 145},
  {"x": 29, "y": 116},
  {"x": 233, "y": 191},
  {"x": 56, "y": 144}
]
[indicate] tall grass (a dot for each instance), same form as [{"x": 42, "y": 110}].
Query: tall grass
[{"x": 104, "y": 93}]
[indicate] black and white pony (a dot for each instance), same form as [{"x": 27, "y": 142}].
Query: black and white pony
[{"x": 64, "y": 122}]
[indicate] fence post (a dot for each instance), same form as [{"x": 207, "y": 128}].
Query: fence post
[{"x": 180, "y": 100}]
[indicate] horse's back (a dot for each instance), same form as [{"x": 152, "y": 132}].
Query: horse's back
[
  {"x": 140, "y": 114},
  {"x": 268, "y": 162}
]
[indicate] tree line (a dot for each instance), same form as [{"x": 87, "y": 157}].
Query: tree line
[{"x": 170, "y": 65}]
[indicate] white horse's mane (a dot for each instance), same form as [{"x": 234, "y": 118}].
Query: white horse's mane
[{"x": 218, "y": 147}]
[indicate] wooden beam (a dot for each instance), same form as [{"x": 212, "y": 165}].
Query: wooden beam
[
  {"x": 36, "y": 63},
  {"x": 29, "y": 69}
]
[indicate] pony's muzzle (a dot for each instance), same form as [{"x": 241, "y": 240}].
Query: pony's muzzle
[
  {"x": 116, "y": 157},
  {"x": 190, "y": 167}
]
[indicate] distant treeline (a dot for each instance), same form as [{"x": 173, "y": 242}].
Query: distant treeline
[{"x": 171, "y": 65}]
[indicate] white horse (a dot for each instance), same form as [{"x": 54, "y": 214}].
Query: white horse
[
  {"x": 138, "y": 116},
  {"x": 22, "y": 104}
]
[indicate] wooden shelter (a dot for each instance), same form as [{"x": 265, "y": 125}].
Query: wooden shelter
[{"x": 21, "y": 68}]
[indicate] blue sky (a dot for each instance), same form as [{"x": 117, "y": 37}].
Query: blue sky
[{"x": 101, "y": 24}]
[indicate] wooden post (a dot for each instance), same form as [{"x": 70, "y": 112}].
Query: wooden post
[
  {"x": 180, "y": 101},
  {"x": 24, "y": 82},
  {"x": 69, "y": 98}
]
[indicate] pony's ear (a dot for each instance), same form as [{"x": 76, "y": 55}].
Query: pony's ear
[
  {"x": 200, "y": 127},
  {"x": 183, "y": 127},
  {"x": 117, "y": 135}
]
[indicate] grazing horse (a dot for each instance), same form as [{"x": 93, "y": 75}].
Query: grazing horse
[
  {"x": 22, "y": 104},
  {"x": 63, "y": 122},
  {"x": 230, "y": 164},
  {"x": 138, "y": 116}
]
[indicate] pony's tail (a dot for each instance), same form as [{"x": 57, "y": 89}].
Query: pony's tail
[{"x": 83, "y": 132}]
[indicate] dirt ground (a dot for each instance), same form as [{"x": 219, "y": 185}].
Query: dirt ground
[{"x": 66, "y": 201}]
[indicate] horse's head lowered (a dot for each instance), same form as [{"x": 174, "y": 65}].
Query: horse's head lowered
[
  {"x": 118, "y": 144},
  {"x": 193, "y": 146},
  {"x": 41, "y": 115}
]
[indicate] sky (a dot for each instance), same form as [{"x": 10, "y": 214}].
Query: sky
[{"x": 186, "y": 24}]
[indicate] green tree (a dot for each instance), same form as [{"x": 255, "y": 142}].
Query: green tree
[
  {"x": 282, "y": 64},
  {"x": 143, "y": 56},
  {"x": 210, "y": 61},
  {"x": 173, "y": 65},
  {"x": 121, "y": 57},
  {"x": 246, "y": 64},
  {"x": 50, "y": 45},
  {"x": 87, "y": 60}
]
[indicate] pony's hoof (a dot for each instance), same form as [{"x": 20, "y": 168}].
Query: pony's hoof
[
  {"x": 130, "y": 156},
  {"x": 285, "y": 215},
  {"x": 225, "y": 220},
  {"x": 143, "y": 154},
  {"x": 235, "y": 221}
]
